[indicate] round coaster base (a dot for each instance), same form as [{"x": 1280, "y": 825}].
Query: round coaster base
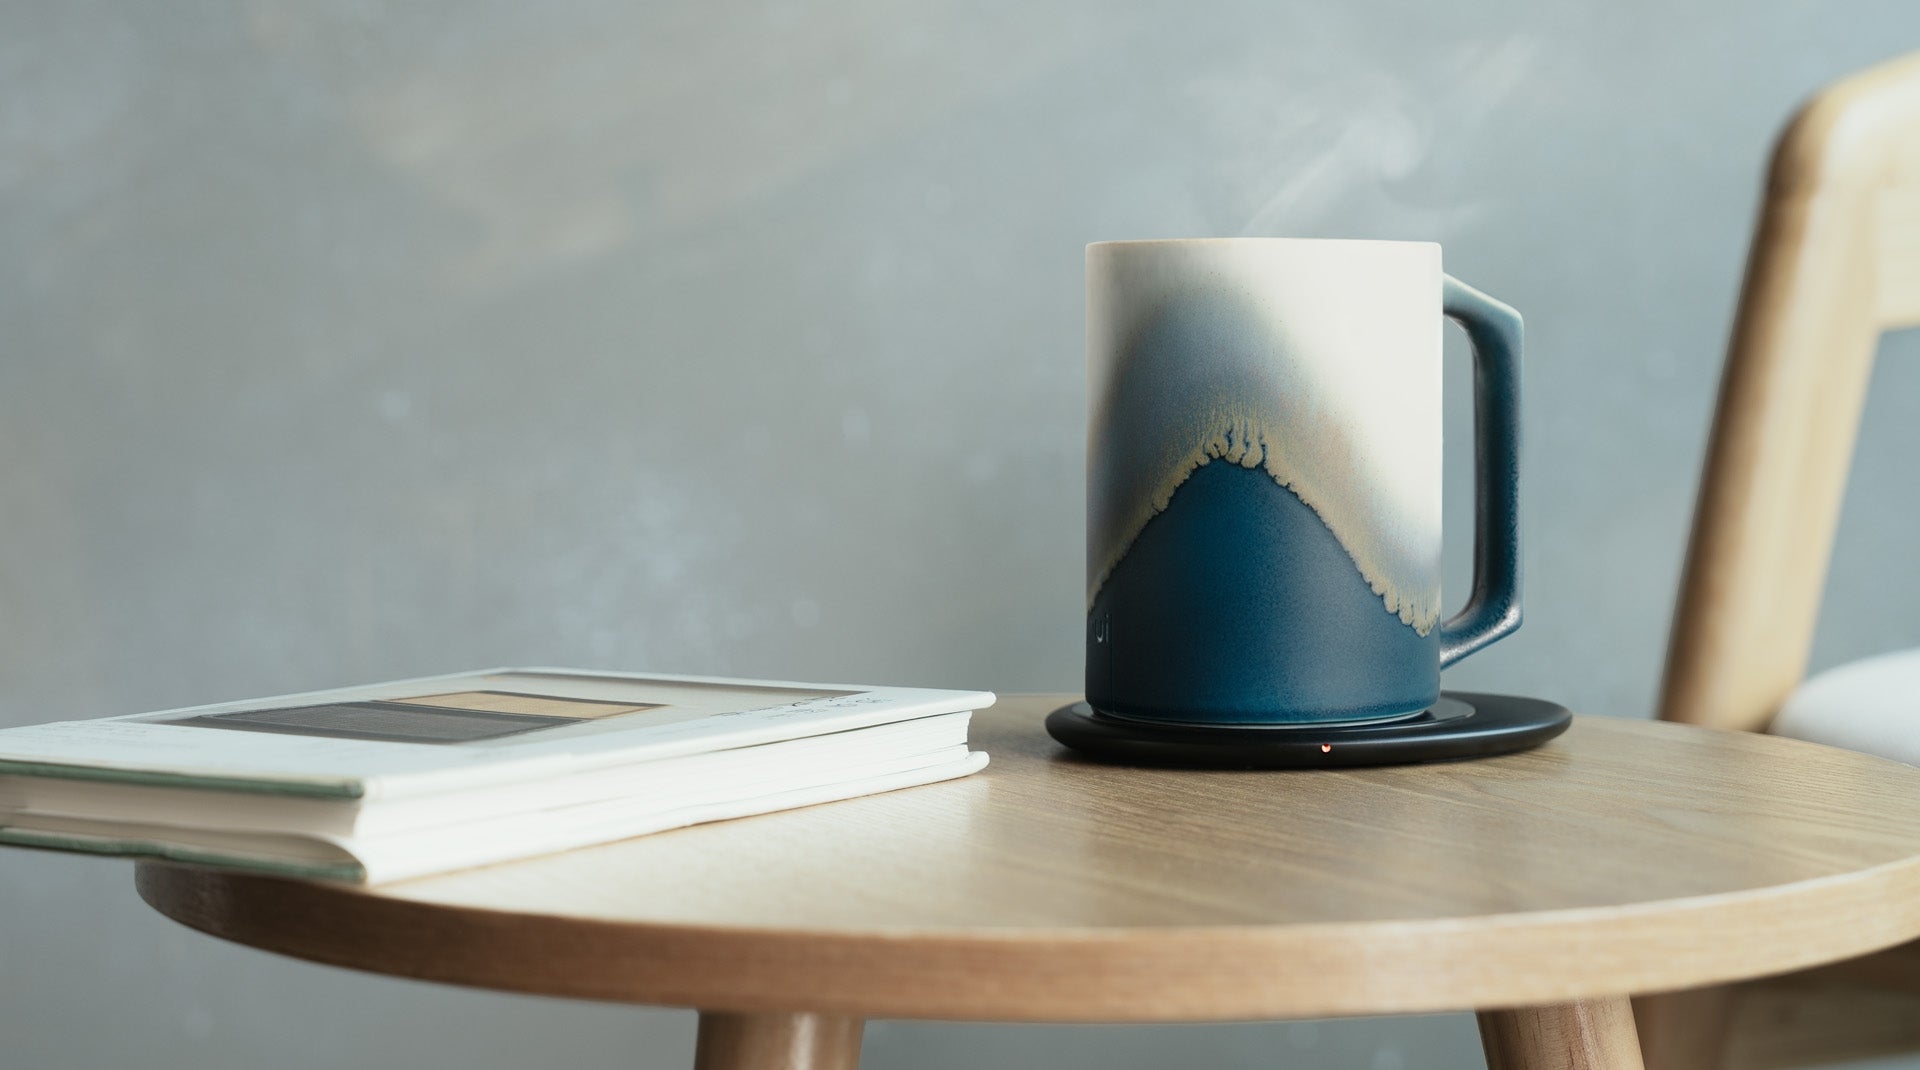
[{"x": 1462, "y": 724}]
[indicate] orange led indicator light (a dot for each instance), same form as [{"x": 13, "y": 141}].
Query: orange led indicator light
[{"x": 1326, "y": 748}]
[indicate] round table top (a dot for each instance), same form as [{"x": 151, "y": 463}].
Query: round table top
[{"x": 1626, "y": 856}]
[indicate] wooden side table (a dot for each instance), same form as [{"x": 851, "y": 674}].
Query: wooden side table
[{"x": 1539, "y": 889}]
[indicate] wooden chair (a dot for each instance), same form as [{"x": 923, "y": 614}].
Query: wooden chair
[{"x": 1835, "y": 262}]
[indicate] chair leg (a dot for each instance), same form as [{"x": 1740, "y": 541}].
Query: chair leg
[
  {"x": 1593, "y": 1034},
  {"x": 730, "y": 1041},
  {"x": 1684, "y": 1030}
]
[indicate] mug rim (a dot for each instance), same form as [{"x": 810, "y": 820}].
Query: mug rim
[{"x": 1388, "y": 242}]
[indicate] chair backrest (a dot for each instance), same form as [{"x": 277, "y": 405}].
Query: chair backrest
[{"x": 1835, "y": 261}]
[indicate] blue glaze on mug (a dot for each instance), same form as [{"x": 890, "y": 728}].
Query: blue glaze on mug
[
  {"x": 1236, "y": 605},
  {"x": 1263, "y": 479},
  {"x": 1210, "y": 374}
]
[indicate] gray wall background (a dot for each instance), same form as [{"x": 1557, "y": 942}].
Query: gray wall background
[{"x": 348, "y": 342}]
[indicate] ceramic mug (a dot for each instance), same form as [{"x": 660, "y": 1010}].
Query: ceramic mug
[{"x": 1263, "y": 479}]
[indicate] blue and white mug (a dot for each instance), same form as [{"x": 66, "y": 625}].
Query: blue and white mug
[{"x": 1263, "y": 479}]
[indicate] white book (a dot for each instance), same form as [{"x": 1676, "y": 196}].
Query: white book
[{"x": 404, "y": 779}]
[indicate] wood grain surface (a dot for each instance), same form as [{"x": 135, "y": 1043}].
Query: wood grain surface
[
  {"x": 777, "y": 1042},
  {"x": 1588, "y": 1035},
  {"x": 1623, "y": 857}
]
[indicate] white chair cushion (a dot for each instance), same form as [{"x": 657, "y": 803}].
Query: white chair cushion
[{"x": 1872, "y": 705}]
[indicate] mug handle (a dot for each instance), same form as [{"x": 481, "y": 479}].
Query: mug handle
[{"x": 1493, "y": 609}]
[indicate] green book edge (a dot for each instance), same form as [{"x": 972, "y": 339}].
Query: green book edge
[
  {"x": 342, "y": 789},
  {"x": 351, "y": 872}
]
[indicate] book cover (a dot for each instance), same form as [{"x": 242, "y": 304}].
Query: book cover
[{"x": 415, "y": 776}]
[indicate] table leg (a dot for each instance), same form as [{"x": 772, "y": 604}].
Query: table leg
[
  {"x": 1684, "y": 1030},
  {"x": 731, "y": 1041},
  {"x": 1594, "y": 1034}
]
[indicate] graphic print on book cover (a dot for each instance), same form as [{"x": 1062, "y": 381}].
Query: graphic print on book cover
[{"x": 484, "y": 715}]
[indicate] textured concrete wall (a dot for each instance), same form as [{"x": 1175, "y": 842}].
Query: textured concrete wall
[{"x": 351, "y": 341}]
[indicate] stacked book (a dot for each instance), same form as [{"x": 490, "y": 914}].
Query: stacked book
[{"x": 399, "y": 780}]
